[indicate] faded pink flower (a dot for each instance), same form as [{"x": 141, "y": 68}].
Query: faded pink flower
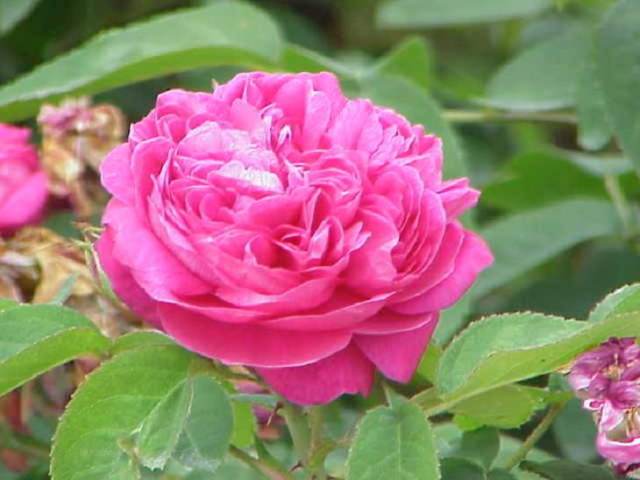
[
  {"x": 608, "y": 380},
  {"x": 23, "y": 185},
  {"x": 277, "y": 224}
]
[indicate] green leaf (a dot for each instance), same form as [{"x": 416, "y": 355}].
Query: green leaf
[
  {"x": 518, "y": 247},
  {"x": 224, "y": 33},
  {"x": 442, "y": 13},
  {"x": 143, "y": 406},
  {"x": 501, "y": 349},
  {"x": 143, "y": 338},
  {"x": 618, "y": 53},
  {"x": 411, "y": 59},
  {"x": 461, "y": 469},
  {"x": 500, "y": 474},
  {"x": 299, "y": 59},
  {"x": 505, "y": 407},
  {"x": 599, "y": 165},
  {"x": 428, "y": 365},
  {"x": 535, "y": 179},
  {"x": 36, "y": 338},
  {"x": 416, "y": 104},
  {"x": 566, "y": 469},
  {"x": 479, "y": 446},
  {"x": 14, "y": 11},
  {"x": 393, "y": 443},
  {"x": 625, "y": 299},
  {"x": 594, "y": 126},
  {"x": 543, "y": 77}
]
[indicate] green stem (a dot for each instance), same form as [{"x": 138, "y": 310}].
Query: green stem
[
  {"x": 620, "y": 202},
  {"x": 535, "y": 435},
  {"x": 479, "y": 116},
  {"x": 267, "y": 470},
  {"x": 299, "y": 429}
]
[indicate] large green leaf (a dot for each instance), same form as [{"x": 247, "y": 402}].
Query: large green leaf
[
  {"x": 542, "y": 77},
  {"x": 36, "y": 338},
  {"x": 535, "y": 179},
  {"x": 393, "y": 442},
  {"x": 437, "y": 13},
  {"x": 224, "y": 33},
  {"x": 503, "y": 349},
  {"x": 417, "y": 105},
  {"x": 625, "y": 299},
  {"x": 13, "y": 11},
  {"x": 144, "y": 406},
  {"x": 522, "y": 241},
  {"x": 618, "y": 54}
]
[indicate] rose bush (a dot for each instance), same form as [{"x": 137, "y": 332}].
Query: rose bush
[
  {"x": 23, "y": 185},
  {"x": 277, "y": 224}
]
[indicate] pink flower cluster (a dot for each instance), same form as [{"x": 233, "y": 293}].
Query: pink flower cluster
[{"x": 608, "y": 380}]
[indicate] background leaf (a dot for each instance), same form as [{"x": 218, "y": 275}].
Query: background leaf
[
  {"x": 437, "y": 13},
  {"x": 543, "y": 77},
  {"x": 518, "y": 247},
  {"x": 618, "y": 48},
  {"x": 13, "y": 11},
  {"x": 36, "y": 338},
  {"x": 199, "y": 37}
]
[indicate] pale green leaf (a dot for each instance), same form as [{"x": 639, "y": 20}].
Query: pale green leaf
[{"x": 625, "y": 299}]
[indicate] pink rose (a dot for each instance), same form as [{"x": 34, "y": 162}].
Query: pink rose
[
  {"x": 277, "y": 224},
  {"x": 23, "y": 186}
]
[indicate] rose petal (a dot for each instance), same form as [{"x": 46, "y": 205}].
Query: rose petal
[
  {"x": 347, "y": 371},
  {"x": 397, "y": 355},
  {"x": 249, "y": 344}
]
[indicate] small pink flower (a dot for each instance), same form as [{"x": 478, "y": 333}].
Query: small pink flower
[
  {"x": 279, "y": 225},
  {"x": 608, "y": 380},
  {"x": 23, "y": 185}
]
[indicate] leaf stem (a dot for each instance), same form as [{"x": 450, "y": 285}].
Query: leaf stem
[
  {"x": 612, "y": 185},
  {"x": 299, "y": 429},
  {"x": 479, "y": 116},
  {"x": 267, "y": 470},
  {"x": 537, "y": 433}
]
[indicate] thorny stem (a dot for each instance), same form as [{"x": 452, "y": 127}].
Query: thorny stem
[
  {"x": 535, "y": 435},
  {"x": 478, "y": 116},
  {"x": 267, "y": 470}
]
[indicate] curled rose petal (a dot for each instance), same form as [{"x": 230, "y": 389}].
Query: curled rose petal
[{"x": 276, "y": 224}]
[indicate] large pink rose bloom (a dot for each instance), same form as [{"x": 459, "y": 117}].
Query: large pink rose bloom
[
  {"x": 23, "y": 186},
  {"x": 277, "y": 224}
]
